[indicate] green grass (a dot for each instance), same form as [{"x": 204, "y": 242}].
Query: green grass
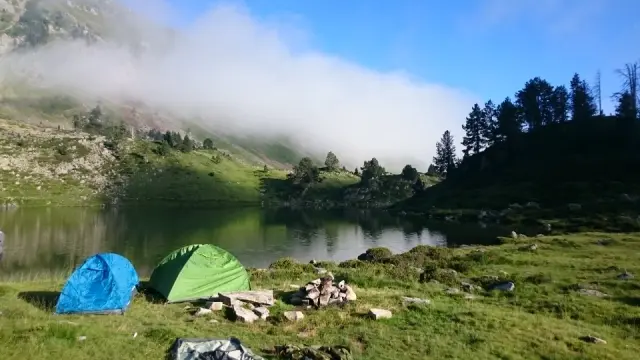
[{"x": 543, "y": 318}]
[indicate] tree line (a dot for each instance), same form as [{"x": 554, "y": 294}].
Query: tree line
[{"x": 537, "y": 105}]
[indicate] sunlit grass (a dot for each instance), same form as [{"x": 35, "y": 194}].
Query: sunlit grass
[{"x": 543, "y": 318}]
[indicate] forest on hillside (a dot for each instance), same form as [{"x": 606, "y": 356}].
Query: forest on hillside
[
  {"x": 546, "y": 143},
  {"x": 543, "y": 112}
]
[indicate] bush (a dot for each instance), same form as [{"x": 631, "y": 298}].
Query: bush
[
  {"x": 375, "y": 254},
  {"x": 352, "y": 264},
  {"x": 290, "y": 264}
]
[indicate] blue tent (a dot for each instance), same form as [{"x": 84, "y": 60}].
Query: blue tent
[{"x": 104, "y": 283}]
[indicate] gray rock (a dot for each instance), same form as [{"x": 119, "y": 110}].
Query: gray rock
[
  {"x": 293, "y": 315},
  {"x": 514, "y": 234},
  {"x": 214, "y": 305},
  {"x": 313, "y": 294},
  {"x": 625, "y": 276},
  {"x": 349, "y": 293},
  {"x": 244, "y": 315},
  {"x": 412, "y": 300},
  {"x": 321, "y": 271},
  {"x": 592, "y": 339},
  {"x": 468, "y": 287},
  {"x": 452, "y": 291},
  {"x": 505, "y": 286},
  {"x": 380, "y": 314},
  {"x": 257, "y": 297},
  {"x": 262, "y": 312},
  {"x": 592, "y": 292},
  {"x": 574, "y": 207},
  {"x": 202, "y": 312}
]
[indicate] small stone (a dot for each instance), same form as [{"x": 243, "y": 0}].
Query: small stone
[
  {"x": 313, "y": 294},
  {"x": 262, "y": 312},
  {"x": 82, "y": 338},
  {"x": 412, "y": 300},
  {"x": 202, "y": 312},
  {"x": 244, "y": 315},
  {"x": 213, "y": 321},
  {"x": 514, "y": 234},
  {"x": 592, "y": 292},
  {"x": 294, "y": 286},
  {"x": 506, "y": 286},
  {"x": 214, "y": 305},
  {"x": 625, "y": 276},
  {"x": 380, "y": 314},
  {"x": 135, "y": 335},
  {"x": 293, "y": 315},
  {"x": 350, "y": 294},
  {"x": 452, "y": 291},
  {"x": 593, "y": 339},
  {"x": 321, "y": 271},
  {"x": 469, "y": 296},
  {"x": 468, "y": 287}
]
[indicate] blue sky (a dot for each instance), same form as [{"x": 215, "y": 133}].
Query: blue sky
[{"x": 488, "y": 47}]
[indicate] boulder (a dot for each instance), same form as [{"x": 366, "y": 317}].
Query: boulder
[
  {"x": 256, "y": 297},
  {"x": 293, "y": 315},
  {"x": 262, "y": 312},
  {"x": 244, "y": 315}
]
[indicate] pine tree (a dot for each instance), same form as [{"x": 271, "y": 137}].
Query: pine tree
[
  {"x": 332, "y": 162},
  {"x": 582, "y": 104},
  {"x": 490, "y": 123},
  {"x": 560, "y": 104},
  {"x": 508, "y": 121},
  {"x": 475, "y": 128},
  {"x": 445, "y": 160}
]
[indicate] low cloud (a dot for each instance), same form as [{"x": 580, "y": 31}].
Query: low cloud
[{"x": 235, "y": 71}]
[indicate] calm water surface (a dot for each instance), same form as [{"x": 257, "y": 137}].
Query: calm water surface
[{"x": 54, "y": 240}]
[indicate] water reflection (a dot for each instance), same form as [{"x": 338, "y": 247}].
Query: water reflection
[{"x": 41, "y": 240}]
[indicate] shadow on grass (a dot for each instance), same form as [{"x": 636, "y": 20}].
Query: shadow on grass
[
  {"x": 150, "y": 294},
  {"x": 630, "y": 300},
  {"x": 45, "y": 300}
]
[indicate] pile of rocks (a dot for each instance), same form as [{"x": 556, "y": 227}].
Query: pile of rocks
[
  {"x": 247, "y": 306},
  {"x": 323, "y": 292}
]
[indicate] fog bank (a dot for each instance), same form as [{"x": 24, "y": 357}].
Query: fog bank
[{"x": 230, "y": 68}]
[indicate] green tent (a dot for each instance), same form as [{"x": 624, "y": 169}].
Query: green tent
[{"x": 198, "y": 271}]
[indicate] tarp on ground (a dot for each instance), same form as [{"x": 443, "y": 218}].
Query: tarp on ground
[
  {"x": 104, "y": 283},
  {"x": 197, "y": 272},
  {"x": 210, "y": 349}
]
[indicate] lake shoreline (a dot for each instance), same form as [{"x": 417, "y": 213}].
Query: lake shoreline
[{"x": 565, "y": 288}]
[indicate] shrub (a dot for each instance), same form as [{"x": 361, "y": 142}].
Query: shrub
[{"x": 375, "y": 254}]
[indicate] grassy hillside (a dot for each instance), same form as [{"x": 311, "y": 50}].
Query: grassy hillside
[
  {"x": 48, "y": 165},
  {"x": 565, "y": 290}
]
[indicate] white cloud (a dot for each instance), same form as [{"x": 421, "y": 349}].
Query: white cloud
[{"x": 231, "y": 68}]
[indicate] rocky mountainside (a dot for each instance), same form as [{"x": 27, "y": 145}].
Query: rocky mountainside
[{"x": 29, "y": 24}]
